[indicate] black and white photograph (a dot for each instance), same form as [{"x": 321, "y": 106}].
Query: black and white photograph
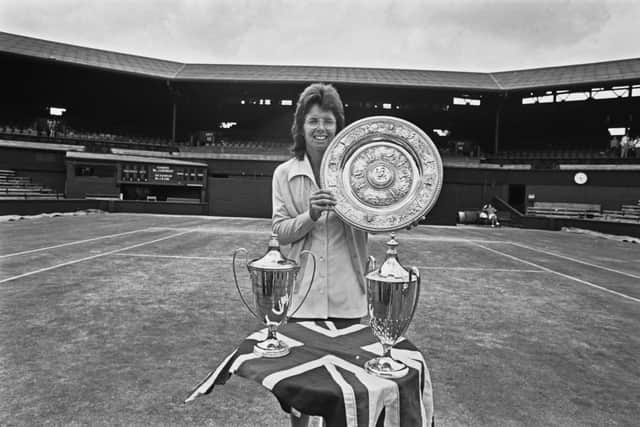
[{"x": 320, "y": 213}]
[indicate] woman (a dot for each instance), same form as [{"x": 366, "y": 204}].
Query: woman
[{"x": 303, "y": 216}]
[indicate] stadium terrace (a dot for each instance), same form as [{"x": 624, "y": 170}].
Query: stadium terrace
[{"x": 550, "y": 147}]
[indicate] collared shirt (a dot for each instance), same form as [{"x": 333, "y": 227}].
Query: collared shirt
[{"x": 338, "y": 288}]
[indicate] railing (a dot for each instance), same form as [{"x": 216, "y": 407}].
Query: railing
[
  {"x": 248, "y": 147},
  {"x": 627, "y": 213},
  {"x": 90, "y": 139},
  {"x": 565, "y": 210},
  {"x": 559, "y": 156},
  {"x": 14, "y": 187}
]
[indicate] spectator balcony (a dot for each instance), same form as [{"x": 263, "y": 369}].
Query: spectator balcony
[
  {"x": 93, "y": 141},
  {"x": 556, "y": 156},
  {"x": 249, "y": 146},
  {"x": 14, "y": 187}
]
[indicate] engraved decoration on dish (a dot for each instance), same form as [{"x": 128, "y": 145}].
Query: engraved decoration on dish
[{"x": 385, "y": 172}]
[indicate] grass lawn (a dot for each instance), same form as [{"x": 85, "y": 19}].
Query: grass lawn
[{"x": 112, "y": 319}]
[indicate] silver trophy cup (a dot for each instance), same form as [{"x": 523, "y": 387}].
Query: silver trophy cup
[
  {"x": 392, "y": 295},
  {"x": 273, "y": 278}
]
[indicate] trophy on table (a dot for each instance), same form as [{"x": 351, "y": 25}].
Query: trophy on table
[
  {"x": 386, "y": 174},
  {"x": 392, "y": 295},
  {"x": 273, "y": 278}
]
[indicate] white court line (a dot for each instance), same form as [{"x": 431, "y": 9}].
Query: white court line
[
  {"x": 421, "y": 267},
  {"x": 77, "y": 242},
  {"x": 613, "y": 270},
  {"x": 513, "y": 270},
  {"x": 400, "y": 238},
  {"x": 593, "y": 285},
  {"x": 204, "y": 258},
  {"x": 224, "y": 230},
  {"x": 194, "y": 217},
  {"x": 8, "y": 279},
  {"x": 378, "y": 237}
]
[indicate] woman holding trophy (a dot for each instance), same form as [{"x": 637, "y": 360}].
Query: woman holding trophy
[
  {"x": 394, "y": 181},
  {"x": 377, "y": 174},
  {"x": 303, "y": 216}
]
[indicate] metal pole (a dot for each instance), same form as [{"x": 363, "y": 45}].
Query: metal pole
[
  {"x": 173, "y": 125},
  {"x": 496, "y": 135}
]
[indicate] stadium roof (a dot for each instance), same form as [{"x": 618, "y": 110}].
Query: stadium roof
[
  {"x": 54, "y": 51},
  {"x": 369, "y": 76},
  {"x": 626, "y": 70}
]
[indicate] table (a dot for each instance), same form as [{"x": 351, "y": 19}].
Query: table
[{"x": 324, "y": 375}]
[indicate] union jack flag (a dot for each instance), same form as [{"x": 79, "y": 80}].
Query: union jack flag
[{"x": 324, "y": 375}]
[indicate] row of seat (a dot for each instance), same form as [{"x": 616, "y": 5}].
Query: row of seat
[
  {"x": 627, "y": 213},
  {"x": 82, "y": 137},
  {"x": 565, "y": 210},
  {"x": 553, "y": 154},
  {"x": 14, "y": 187},
  {"x": 250, "y": 146},
  {"x": 97, "y": 141}
]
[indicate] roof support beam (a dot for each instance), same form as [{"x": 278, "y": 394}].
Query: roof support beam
[
  {"x": 496, "y": 133},
  {"x": 173, "y": 122},
  {"x": 174, "y": 94}
]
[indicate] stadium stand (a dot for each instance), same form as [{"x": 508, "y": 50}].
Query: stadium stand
[
  {"x": 565, "y": 210},
  {"x": 93, "y": 141},
  {"x": 182, "y": 200},
  {"x": 99, "y": 196},
  {"x": 627, "y": 213},
  {"x": 240, "y": 147},
  {"x": 564, "y": 154},
  {"x": 14, "y": 187},
  {"x": 510, "y": 134}
]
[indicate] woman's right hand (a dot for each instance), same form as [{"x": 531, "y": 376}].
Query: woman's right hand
[{"x": 320, "y": 201}]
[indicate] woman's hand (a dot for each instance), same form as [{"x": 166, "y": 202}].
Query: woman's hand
[{"x": 320, "y": 201}]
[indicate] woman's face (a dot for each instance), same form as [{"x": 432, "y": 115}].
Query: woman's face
[{"x": 319, "y": 129}]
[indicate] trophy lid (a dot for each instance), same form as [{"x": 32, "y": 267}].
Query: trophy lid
[
  {"x": 391, "y": 270},
  {"x": 273, "y": 259}
]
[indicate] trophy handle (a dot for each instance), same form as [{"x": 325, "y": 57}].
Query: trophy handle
[
  {"x": 414, "y": 270},
  {"x": 235, "y": 279},
  {"x": 313, "y": 276},
  {"x": 371, "y": 264}
]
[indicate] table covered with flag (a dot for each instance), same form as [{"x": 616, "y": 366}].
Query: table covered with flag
[{"x": 324, "y": 375}]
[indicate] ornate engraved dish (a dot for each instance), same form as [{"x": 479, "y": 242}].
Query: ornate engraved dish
[{"x": 385, "y": 172}]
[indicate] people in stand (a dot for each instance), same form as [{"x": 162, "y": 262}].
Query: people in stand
[
  {"x": 614, "y": 147},
  {"x": 637, "y": 146},
  {"x": 625, "y": 143},
  {"x": 489, "y": 213}
]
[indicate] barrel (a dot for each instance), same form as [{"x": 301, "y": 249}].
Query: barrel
[{"x": 468, "y": 217}]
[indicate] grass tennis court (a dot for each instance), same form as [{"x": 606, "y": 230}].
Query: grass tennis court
[{"x": 112, "y": 319}]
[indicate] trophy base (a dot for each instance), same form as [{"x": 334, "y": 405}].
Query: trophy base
[
  {"x": 386, "y": 367},
  {"x": 271, "y": 348}
]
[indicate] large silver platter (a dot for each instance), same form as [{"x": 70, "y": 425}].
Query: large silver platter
[{"x": 385, "y": 172}]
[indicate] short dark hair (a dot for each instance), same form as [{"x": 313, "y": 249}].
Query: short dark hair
[{"x": 326, "y": 97}]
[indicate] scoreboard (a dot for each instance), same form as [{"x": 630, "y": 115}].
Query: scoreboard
[{"x": 162, "y": 174}]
